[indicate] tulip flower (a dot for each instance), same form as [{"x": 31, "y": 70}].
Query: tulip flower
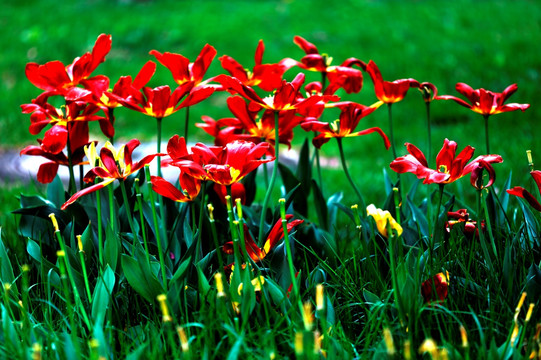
[
  {"x": 182, "y": 70},
  {"x": 389, "y": 92},
  {"x": 382, "y": 219},
  {"x": 249, "y": 126},
  {"x": 286, "y": 97},
  {"x": 435, "y": 288},
  {"x": 449, "y": 166},
  {"x": 232, "y": 162},
  {"x": 342, "y": 76},
  {"x": 57, "y": 79},
  {"x": 462, "y": 218},
  {"x": 486, "y": 102},
  {"x": 525, "y": 194},
  {"x": 275, "y": 235},
  {"x": 345, "y": 126},
  {"x": 266, "y": 76},
  {"x": 48, "y": 170},
  {"x": 189, "y": 188},
  {"x": 114, "y": 165}
]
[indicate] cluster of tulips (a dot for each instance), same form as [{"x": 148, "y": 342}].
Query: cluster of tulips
[{"x": 265, "y": 110}]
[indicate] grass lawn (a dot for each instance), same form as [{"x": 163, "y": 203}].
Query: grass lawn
[{"x": 373, "y": 280}]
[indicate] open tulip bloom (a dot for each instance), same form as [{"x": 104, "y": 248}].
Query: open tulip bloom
[
  {"x": 345, "y": 126},
  {"x": 57, "y": 79},
  {"x": 525, "y": 194},
  {"x": 343, "y": 76},
  {"x": 486, "y": 102},
  {"x": 265, "y": 76},
  {"x": 114, "y": 165},
  {"x": 449, "y": 166}
]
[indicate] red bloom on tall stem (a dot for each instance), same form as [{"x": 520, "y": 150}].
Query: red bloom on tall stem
[
  {"x": 525, "y": 194},
  {"x": 160, "y": 102},
  {"x": 286, "y": 97},
  {"x": 266, "y": 76},
  {"x": 486, "y": 102},
  {"x": 182, "y": 70},
  {"x": 275, "y": 235},
  {"x": 232, "y": 162},
  {"x": 250, "y": 125},
  {"x": 389, "y": 92},
  {"x": 350, "y": 116},
  {"x": 57, "y": 79},
  {"x": 343, "y": 76},
  {"x": 113, "y": 165},
  {"x": 449, "y": 166},
  {"x": 48, "y": 170},
  {"x": 436, "y": 288}
]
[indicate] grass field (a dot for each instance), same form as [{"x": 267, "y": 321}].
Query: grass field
[{"x": 372, "y": 294}]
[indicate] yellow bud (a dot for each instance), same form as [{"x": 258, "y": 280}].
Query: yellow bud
[
  {"x": 93, "y": 343},
  {"x": 464, "y": 336},
  {"x": 430, "y": 347},
  {"x": 36, "y": 351},
  {"x": 514, "y": 334},
  {"x": 529, "y": 313},
  {"x": 407, "y": 350},
  {"x": 299, "y": 346},
  {"x": 80, "y": 243},
  {"x": 54, "y": 221},
  {"x": 60, "y": 253},
  {"x": 320, "y": 300},
  {"x": 307, "y": 316},
  {"x": 162, "y": 299},
  {"x": 519, "y": 305},
  {"x": 183, "y": 339},
  {"x": 219, "y": 285},
  {"x": 211, "y": 211},
  {"x": 389, "y": 343}
]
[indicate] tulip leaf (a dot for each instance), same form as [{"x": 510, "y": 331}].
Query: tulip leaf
[
  {"x": 55, "y": 192},
  {"x": 6, "y": 270},
  {"x": 140, "y": 278},
  {"x": 290, "y": 181},
  {"x": 321, "y": 207},
  {"x": 111, "y": 249},
  {"x": 101, "y": 296}
]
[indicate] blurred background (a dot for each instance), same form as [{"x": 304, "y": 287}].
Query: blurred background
[{"x": 486, "y": 44}]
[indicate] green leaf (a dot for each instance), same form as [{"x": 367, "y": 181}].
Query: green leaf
[
  {"x": 6, "y": 270},
  {"x": 101, "y": 296},
  {"x": 321, "y": 206},
  {"x": 140, "y": 278},
  {"x": 111, "y": 248},
  {"x": 290, "y": 181},
  {"x": 204, "y": 285},
  {"x": 56, "y": 193}
]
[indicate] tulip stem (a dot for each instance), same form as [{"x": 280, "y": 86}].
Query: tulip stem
[
  {"x": 71, "y": 187},
  {"x": 100, "y": 235},
  {"x": 348, "y": 176},
  {"x": 429, "y": 131},
  {"x": 198, "y": 250},
  {"x": 486, "y": 134},
  {"x": 128, "y": 209},
  {"x": 272, "y": 180},
  {"x": 186, "y": 123},
  {"x": 156, "y": 228},
  {"x": 390, "y": 113}
]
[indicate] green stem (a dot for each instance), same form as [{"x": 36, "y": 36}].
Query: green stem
[
  {"x": 156, "y": 227},
  {"x": 186, "y": 124},
  {"x": 139, "y": 196},
  {"x": 394, "y": 279},
  {"x": 289, "y": 255},
  {"x": 486, "y": 134},
  {"x": 429, "y": 132},
  {"x": 348, "y": 176},
  {"x": 215, "y": 238},
  {"x": 128, "y": 209},
  {"x": 111, "y": 207},
  {"x": 199, "y": 250},
  {"x": 272, "y": 180},
  {"x": 390, "y": 113},
  {"x": 100, "y": 230},
  {"x": 71, "y": 187}
]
